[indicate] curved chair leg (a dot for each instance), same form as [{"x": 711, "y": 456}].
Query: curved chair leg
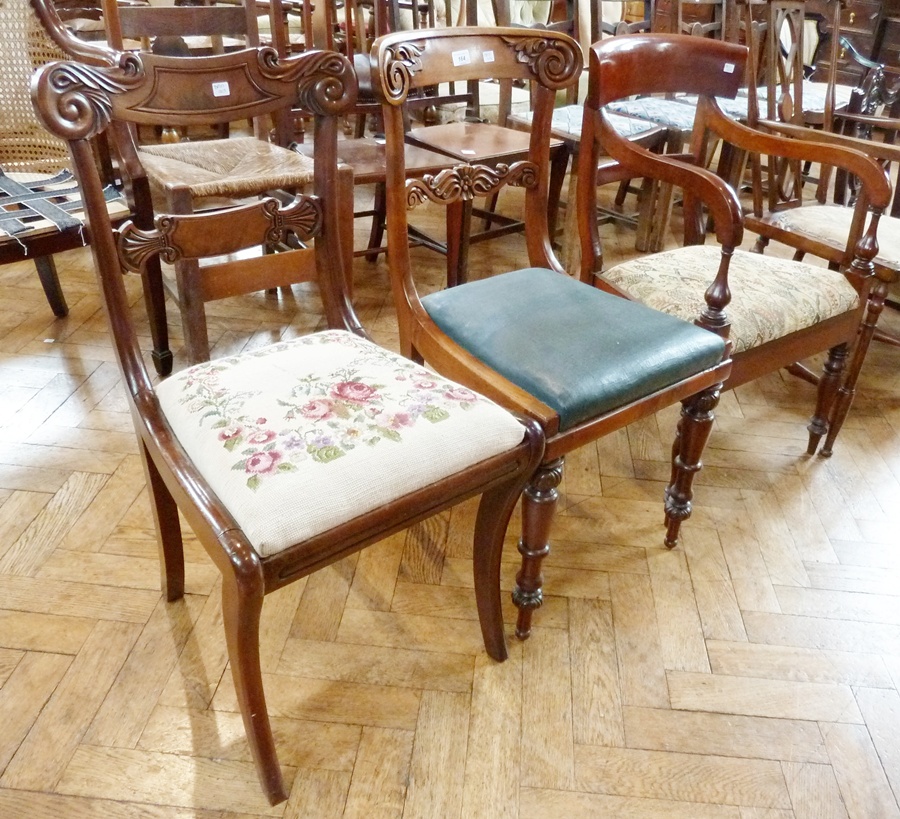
[
  {"x": 46, "y": 269},
  {"x": 376, "y": 235},
  {"x": 829, "y": 382},
  {"x": 848, "y": 388},
  {"x": 168, "y": 531},
  {"x": 242, "y": 598},
  {"x": 538, "y": 508},
  {"x": 494, "y": 511},
  {"x": 694, "y": 426}
]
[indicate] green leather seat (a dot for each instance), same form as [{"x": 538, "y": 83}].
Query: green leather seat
[{"x": 579, "y": 350}]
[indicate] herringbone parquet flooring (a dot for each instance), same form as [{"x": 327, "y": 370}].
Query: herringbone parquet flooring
[{"x": 752, "y": 674}]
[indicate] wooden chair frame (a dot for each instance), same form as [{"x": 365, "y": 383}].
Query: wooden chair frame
[{"x": 76, "y": 103}]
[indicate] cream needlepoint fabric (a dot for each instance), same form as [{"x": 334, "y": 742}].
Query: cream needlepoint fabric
[{"x": 301, "y": 436}]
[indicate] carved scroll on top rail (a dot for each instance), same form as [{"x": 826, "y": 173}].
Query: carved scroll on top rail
[{"x": 465, "y": 182}]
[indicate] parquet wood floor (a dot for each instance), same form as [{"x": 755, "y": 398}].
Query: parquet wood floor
[{"x": 754, "y": 673}]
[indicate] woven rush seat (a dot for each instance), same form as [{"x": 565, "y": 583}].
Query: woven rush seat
[
  {"x": 331, "y": 418},
  {"x": 225, "y": 167},
  {"x": 579, "y": 350},
  {"x": 786, "y": 296}
]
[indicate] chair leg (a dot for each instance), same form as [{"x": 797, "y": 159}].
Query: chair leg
[
  {"x": 694, "y": 426},
  {"x": 376, "y": 235},
  {"x": 46, "y": 270},
  {"x": 193, "y": 314},
  {"x": 538, "y": 508},
  {"x": 559, "y": 164},
  {"x": 155, "y": 304},
  {"x": 168, "y": 531},
  {"x": 848, "y": 388},
  {"x": 494, "y": 511},
  {"x": 761, "y": 244},
  {"x": 459, "y": 231},
  {"x": 242, "y": 598},
  {"x": 829, "y": 382}
]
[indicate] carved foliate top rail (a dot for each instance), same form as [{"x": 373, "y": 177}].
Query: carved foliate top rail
[
  {"x": 465, "y": 182},
  {"x": 74, "y": 101},
  {"x": 554, "y": 60},
  {"x": 185, "y": 237}
]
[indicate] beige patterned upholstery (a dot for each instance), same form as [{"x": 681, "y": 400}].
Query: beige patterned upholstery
[
  {"x": 770, "y": 297},
  {"x": 823, "y": 221},
  {"x": 303, "y": 435}
]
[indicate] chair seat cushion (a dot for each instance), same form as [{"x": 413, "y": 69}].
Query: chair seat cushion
[
  {"x": 581, "y": 351},
  {"x": 831, "y": 223},
  {"x": 242, "y": 166},
  {"x": 567, "y": 121},
  {"x": 770, "y": 297},
  {"x": 813, "y": 95},
  {"x": 303, "y": 435},
  {"x": 670, "y": 113}
]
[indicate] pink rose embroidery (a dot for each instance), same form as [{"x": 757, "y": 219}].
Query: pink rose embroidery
[
  {"x": 230, "y": 432},
  {"x": 262, "y": 463},
  {"x": 317, "y": 410},
  {"x": 460, "y": 394},
  {"x": 354, "y": 391},
  {"x": 261, "y": 436}
]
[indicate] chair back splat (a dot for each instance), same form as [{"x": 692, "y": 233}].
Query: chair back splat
[
  {"x": 581, "y": 362},
  {"x": 287, "y": 458}
]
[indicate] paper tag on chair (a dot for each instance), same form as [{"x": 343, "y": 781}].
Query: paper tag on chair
[
  {"x": 728, "y": 68},
  {"x": 461, "y": 57},
  {"x": 221, "y": 89},
  {"x": 488, "y": 56}
]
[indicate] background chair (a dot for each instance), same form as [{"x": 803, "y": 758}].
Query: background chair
[
  {"x": 40, "y": 203},
  {"x": 287, "y": 458},
  {"x": 580, "y": 362},
  {"x": 206, "y": 91},
  {"x": 782, "y": 311}
]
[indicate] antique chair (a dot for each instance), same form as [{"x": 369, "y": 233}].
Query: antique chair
[
  {"x": 567, "y": 127},
  {"x": 325, "y": 29},
  {"x": 182, "y": 177},
  {"x": 580, "y": 362},
  {"x": 782, "y": 311},
  {"x": 287, "y": 458},
  {"x": 40, "y": 203}
]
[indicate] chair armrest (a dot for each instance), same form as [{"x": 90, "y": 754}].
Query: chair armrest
[
  {"x": 681, "y": 170},
  {"x": 879, "y": 150},
  {"x": 871, "y": 174},
  {"x": 80, "y": 50}
]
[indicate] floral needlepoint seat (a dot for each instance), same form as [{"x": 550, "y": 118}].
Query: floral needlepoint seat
[{"x": 330, "y": 416}]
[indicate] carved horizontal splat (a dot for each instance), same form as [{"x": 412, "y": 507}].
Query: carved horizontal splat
[
  {"x": 188, "y": 237},
  {"x": 465, "y": 182}
]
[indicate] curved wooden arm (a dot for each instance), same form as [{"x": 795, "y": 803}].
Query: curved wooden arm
[
  {"x": 80, "y": 50},
  {"x": 880, "y": 150},
  {"x": 872, "y": 176},
  {"x": 713, "y": 191}
]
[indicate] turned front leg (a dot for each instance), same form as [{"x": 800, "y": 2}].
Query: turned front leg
[
  {"x": 697, "y": 415},
  {"x": 538, "y": 507}
]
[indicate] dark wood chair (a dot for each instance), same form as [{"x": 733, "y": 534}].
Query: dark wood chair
[
  {"x": 782, "y": 311},
  {"x": 579, "y": 361},
  {"x": 287, "y": 458},
  {"x": 181, "y": 177},
  {"x": 40, "y": 203}
]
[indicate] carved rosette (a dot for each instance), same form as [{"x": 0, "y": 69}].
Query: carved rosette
[
  {"x": 400, "y": 63},
  {"x": 303, "y": 218},
  {"x": 465, "y": 182},
  {"x": 72, "y": 100},
  {"x": 554, "y": 61}
]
